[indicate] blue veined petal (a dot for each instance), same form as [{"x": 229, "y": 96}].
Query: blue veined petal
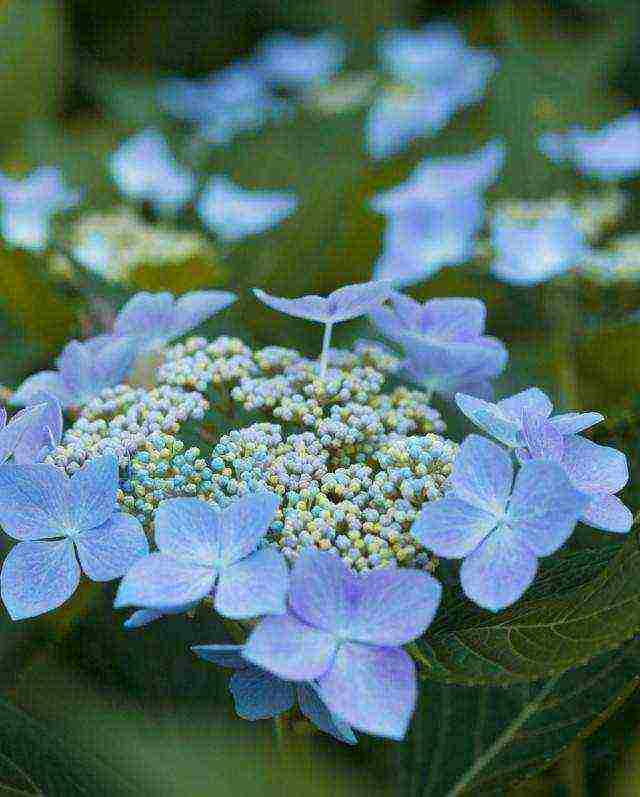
[
  {"x": 108, "y": 551},
  {"x": 254, "y": 586}
]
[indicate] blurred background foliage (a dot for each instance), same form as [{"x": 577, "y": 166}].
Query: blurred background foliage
[{"x": 87, "y": 708}]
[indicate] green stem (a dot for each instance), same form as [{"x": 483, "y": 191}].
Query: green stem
[{"x": 326, "y": 345}]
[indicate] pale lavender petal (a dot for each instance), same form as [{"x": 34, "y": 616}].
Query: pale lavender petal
[
  {"x": 608, "y": 513},
  {"x": 195, "y": 307},
  {"x": 352, "y": 301},
  {"x": 296, "y": 62},
  {"x": 541, "y": 438},
  {"x": 290, "y": 648},
  {"x": 574, "y": 422},
  {"x": 34, "y": 501},
  {"x": 93, "y": 493},
  {"x": 544, "y": 507},
  {"x": 189, "y": 529},
  {"x": 41, "y": 437},
  {"x": 491, "y": 419},
  {"x": 26, "y": 423},
  {"x": 142, "y": 617},
  {"x": 441, "y": 358},
  {"x": 315, "y": 710},
  {"x": 108, "y": 551},
  {"x": 452, "y": 528},
  {"x": 373, "y": 689},
  {"x": 38, "y": 576},
  {"x": 244, "y": 523},
  {"x": 453, "y": 319},
  {"x": 402, "y": 314},
  {"x": 259, "y": 695},
  {"x": 594, "y": 468},
  {"x": 482, "y": 474},
  {"x": 113, "y": 362},
  {"x": 145, "y": 314},
  {"x": 394, "y": 606},
  {"x": 42, "y": 382},
  {"x": 224, "y": 655},
  {"x": 499, "y": 571},
  {"x": 254, "y": 586},
  {"x": 158, "y": 581},
  {"x": 313, "y": 308},
  {"x": 75, "y": 365},
  {"x": 533, "y": 400}
]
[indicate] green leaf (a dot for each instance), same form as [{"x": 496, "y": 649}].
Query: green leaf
[
  {"x": 475, "y": 740},
  {"x": 553, "y": 629}
]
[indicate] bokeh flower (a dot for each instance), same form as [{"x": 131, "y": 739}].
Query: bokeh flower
[
  {"x": 299, "y": 62},
  {"x": 260, "y": 695},
  {"x": 344, "y": 631},
  {"x": 233, "y": 213},
  {"x": 500, "y": 528},
  {"x": 202, "y": 548},
  {"x": 58, "y": 522}
]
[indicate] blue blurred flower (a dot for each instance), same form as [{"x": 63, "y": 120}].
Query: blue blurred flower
[
  {"x": 260, "y": 695},
  {"x": 155, "y": 319},
  {"x": 145, "y": 169},
  {"x": 29, "y": 204},
  {"x": 84, "y": 370},
  {"x": 58, "y": 519},
  {"x": 201, "y": 548},
  {"x": 528, "y": 253},
  {"x": 344, "y": 631},
  {"x": 498, "y": 527},
  {"x": 299, "y": 62},
  {"x": 611, "y": 153},
  {"x": 234, "y": 213}
]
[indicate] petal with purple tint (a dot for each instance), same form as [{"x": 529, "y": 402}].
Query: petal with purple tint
[
  {"x": 453, "y": 319},
  {"x": 34, "y": 501},
  {"x": 352, "y": 301},
  {"x": 38, "y": 576},
  {"x": 26, "y": 423},
  {"x": 608, "y": 513},
  {"x": 223, "y": 655},
  {"x": 452, "y": 528},
  {"x": 541, "y": 439},
  {"x": 158, "y": 581},
  {"x": 108, "y": 551},
  {"x": 42, "y": 436},
  {"x": 195, "y": 307},
  {"x": 315, "y": 710},
  {"x": 482, "y": 474},
  {"x": 290, "y": 648},
  {"x": 244, "y": 523},
  {"x": 574, "y": 422},
  {"x": 42, "y": 382},
  {"x": 594, "y": 468},
  {"x": 499, "y": 571},
  {"x": 544, "y": 507},
  {"x": 93, "y": 493},
  {"x": 189, "y": 529},
  {"x": 113, "y": 362},
  {"x": 373, "y": 689},
  {"x": 259, "y": 695},
  {"x": 145, "y": 314},
  {"x": 402, "y": 314},
  {"x": 313, "y": 308},
  {"x": 491, "y": 419},
  {"x": 142, "y": 617},
  {"x": 254, "y": 586},
  {"x": 533, "y": 400}
]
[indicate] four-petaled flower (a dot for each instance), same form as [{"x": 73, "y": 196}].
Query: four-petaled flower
[
  {"x": 611, "y": 153},
  {"x": 258, "y": 694},
  {"x": 145, "y": 169},
  {"x": 444, "y": 342},
  {"x": 343, "y": 304},
  {"x": 29, "y": 204},
  {"x": 500, "y": 528},
  {"x": 344, "y": 631},
  {"x": 598, "y": 471},
  {"x": 84, "y": 369},
  {"x": 504, "y": 420},
  {"x": 202, "y": 548},
  {"x": 234, "y": 213},
  {"x": 56, "y": 520},
  {"x": 155, "y": 319}
]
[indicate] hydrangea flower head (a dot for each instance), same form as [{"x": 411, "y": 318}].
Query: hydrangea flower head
[
  {"x": 597, "y": 471},
  {"x": 234, "y": 213},
  {"x": 611, "y": 153},
  {"x": 435, "y": 180},
  {"x": 497, "y": 526},
  {"x": 344, "y": 631},
  {"x": 298, "y": 62},
  {"x": 29, "y": 204},
  {"x": 202, "y": 548},
  {"x": 419, "y": 241},
  {"x": 504, "y": 420},
  {"x": 258, "y": 694},
  {"x": 530, "y": 253},
  {"x": 58, "y": 522},
  {"x": 145, "y": 169},
  {"x": 444, "y": 342},
  {"x": 155, "y": 319},
  {"x": 83, "y": 370}
]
